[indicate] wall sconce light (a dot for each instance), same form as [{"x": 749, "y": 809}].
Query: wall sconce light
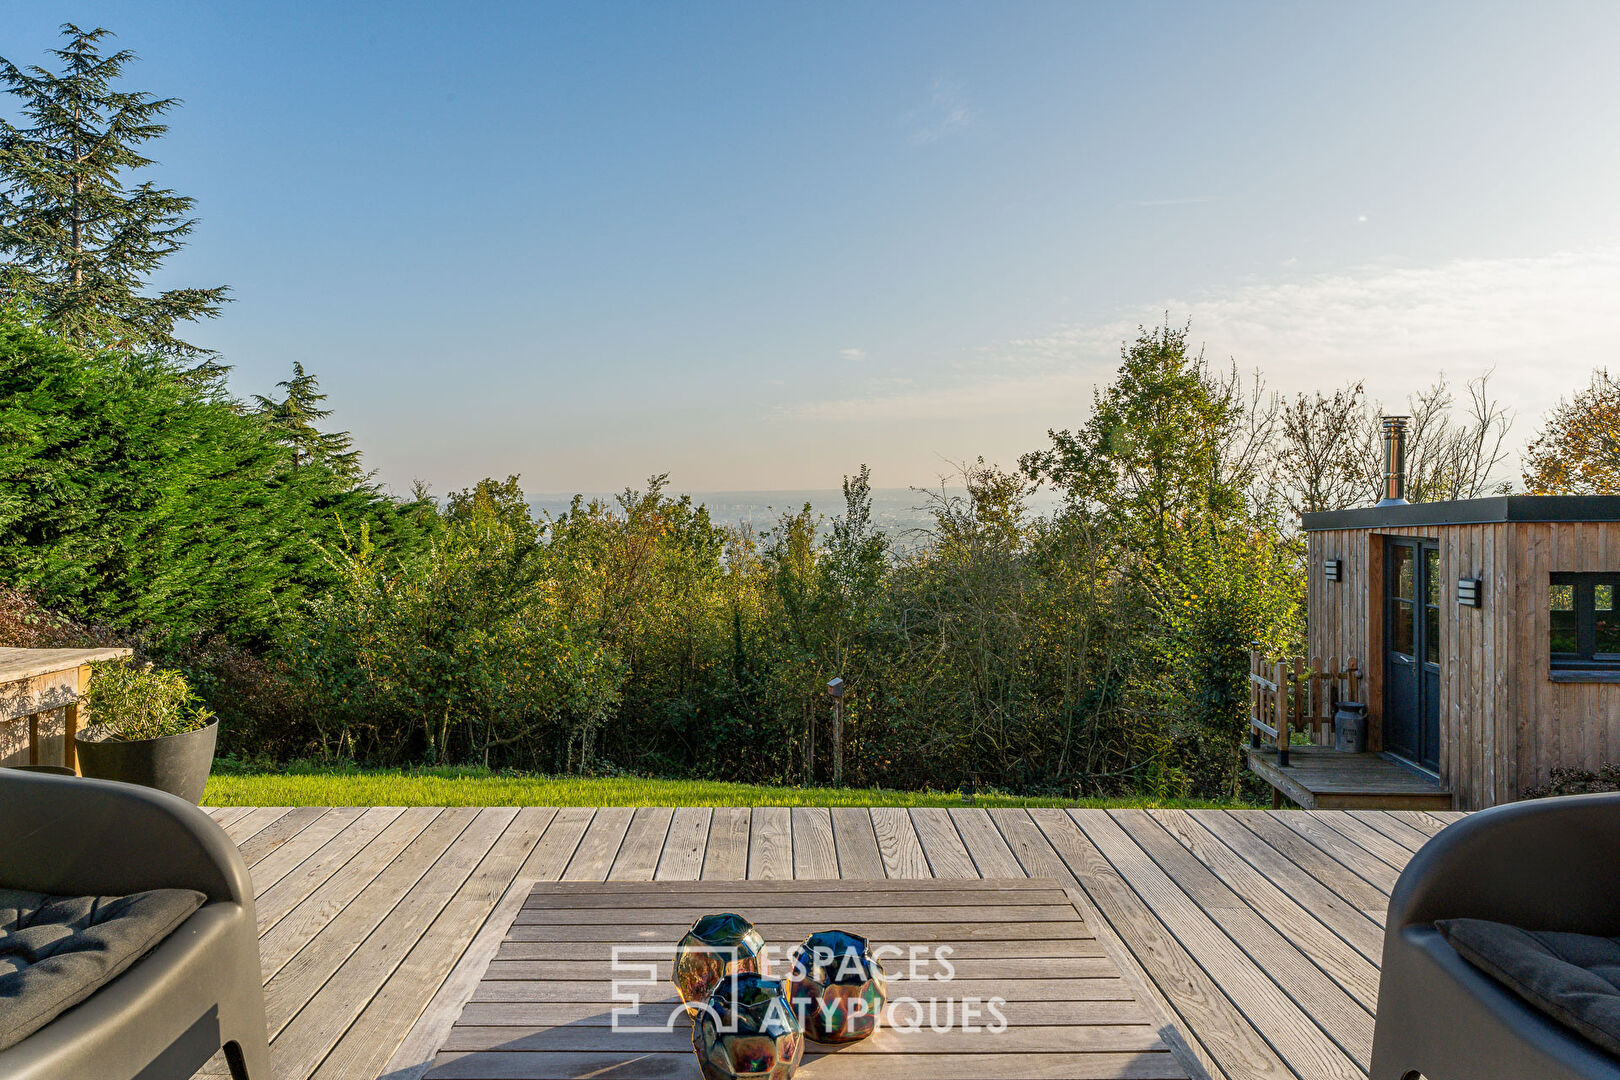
[
  {"x": 1469, "y": 593},
  {"x": 1333, "y": 569}
]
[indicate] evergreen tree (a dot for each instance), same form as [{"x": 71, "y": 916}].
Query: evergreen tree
[
  {"x": 131, "y": 496},
  {"x": 79, "y": 242},
  {"x": 292, "y": 419}
]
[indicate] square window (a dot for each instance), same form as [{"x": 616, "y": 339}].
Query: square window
[{"x": 1583, "y": 625}]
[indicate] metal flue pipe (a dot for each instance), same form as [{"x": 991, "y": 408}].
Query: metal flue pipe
[{"x": 1394, "y": 461}]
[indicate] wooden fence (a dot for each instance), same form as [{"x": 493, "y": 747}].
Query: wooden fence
[{"x": 1297, "y": 694}]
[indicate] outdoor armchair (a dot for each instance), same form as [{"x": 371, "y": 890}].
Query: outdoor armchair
[
  {"x": 198, "y": 990},
  {"x": 1541, "y": 865}
]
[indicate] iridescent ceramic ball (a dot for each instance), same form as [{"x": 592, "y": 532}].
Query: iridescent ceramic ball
[
  {"x": 838, "y": 986},
  {"x": 748, "y": 1031},
  {"x": 716, "y": 946}
]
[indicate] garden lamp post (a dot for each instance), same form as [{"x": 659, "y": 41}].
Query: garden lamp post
[{"x": 835, "y": 690}]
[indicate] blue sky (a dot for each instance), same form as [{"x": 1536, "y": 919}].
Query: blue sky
[{"x": 754, "y": 245}]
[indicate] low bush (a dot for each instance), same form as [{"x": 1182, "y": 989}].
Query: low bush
[{"x": 1567, "y": 780}]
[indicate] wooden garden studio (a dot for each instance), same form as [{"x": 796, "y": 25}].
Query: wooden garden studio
[{"x": 1483, "y": 635}]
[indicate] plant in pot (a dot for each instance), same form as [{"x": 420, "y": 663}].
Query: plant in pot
[{"x": 146, "y": 727}]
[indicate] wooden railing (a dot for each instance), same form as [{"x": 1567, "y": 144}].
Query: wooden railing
[{"x": 1296, "y": 694}]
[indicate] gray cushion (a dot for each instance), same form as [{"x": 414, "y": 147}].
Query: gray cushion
[
  {"x": 55, "y": 951},
  {"x": 1573, "y": 978}
]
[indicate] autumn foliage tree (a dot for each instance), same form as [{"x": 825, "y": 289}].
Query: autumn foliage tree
[{"x": 1578, "y": 449}]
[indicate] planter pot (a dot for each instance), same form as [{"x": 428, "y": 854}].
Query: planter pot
[{"x": 177, "y": 764}]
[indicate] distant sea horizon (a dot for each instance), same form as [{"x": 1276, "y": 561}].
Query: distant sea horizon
[{"x": 897, "y": 511}]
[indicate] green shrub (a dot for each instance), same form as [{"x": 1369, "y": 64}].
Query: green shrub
[
  {"x": 131, "y": 497},
  {"x": 139, "y": 701}
]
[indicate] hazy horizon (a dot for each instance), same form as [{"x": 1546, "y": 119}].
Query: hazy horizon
[
  {"x": 897, "y": 511},
  {"x": 755, "y": 246}
]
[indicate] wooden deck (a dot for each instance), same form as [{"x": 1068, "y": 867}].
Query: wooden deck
[
  {"x": 1255, "y": 934},
  {"x": 1322, "y": 778}
]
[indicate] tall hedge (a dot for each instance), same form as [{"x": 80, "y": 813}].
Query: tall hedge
[{"x": 131, "y": 496}]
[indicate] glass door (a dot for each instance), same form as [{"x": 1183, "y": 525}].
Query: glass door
[{"x": 1412, "y": 636}]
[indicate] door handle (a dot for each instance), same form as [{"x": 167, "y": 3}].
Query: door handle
[{"x": 1407, "y": 660}]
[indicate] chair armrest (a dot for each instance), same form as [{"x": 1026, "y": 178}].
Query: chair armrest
[
  {"x": 72, "y": 836},
  {"x": 1545, "y": 864}
]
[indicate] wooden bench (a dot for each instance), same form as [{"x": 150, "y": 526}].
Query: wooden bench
[{"x": 35, "y": 683}]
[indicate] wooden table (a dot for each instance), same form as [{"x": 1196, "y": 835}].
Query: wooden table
[
  {"x": 38, "y": 681},
  {"x": 544, "y": 1009}
]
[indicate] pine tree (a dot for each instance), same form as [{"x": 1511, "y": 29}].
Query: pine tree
[
  {"x": 292, "y": 420},
  {"x": 78, "y": 242}
]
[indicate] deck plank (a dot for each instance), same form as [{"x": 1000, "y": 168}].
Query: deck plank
[
  {"x": 253, "y": 822},
  {"x": 1040, "y": 859},
  {"x": 1256, "y": 937},
  {"x": 898, "y": 845},
  {"x": 770, "y": 844},
  {"x": 275, "y": 900},
  {"x": 1423, "y": 821},
  {"x": 985, "y": 844},
  {"x": 815, "y": 855},
  {"x": 593, "y": 859},
  {"x": 1328, "y": 840},
  {"x": 304, "y": 974},
  {"x": 1394, "y": 828},
  {"x": 947, "y": 856},
  {"x": 310, "y": 1036},
  {"x": 325, "y": 903},
  {"x": 1285, "y": 1025},
  {"x": 638, "y": 855},
  {"x": 856, "y": 842},
  {"x": 550, "y": 858},
  {"x": 225, "y": 815},
  {"x": 727, "y": 854},
  {"x": 1336, "y": 912},
  {"x": 288, "y": 856},
  {"x": 1336, "y": 958},
  {"x": 1225, "y": 1042},
  {"x": 566, "y": 1066},
  {"x": 1358, "y": 832},
  {"x": 682, "y": 857},
  {"x": 365, "y": 1048},
  {"x": 1364, "y": 895},
  {"x": 265, "y": 842}
]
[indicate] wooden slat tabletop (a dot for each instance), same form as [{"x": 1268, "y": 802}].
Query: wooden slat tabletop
[
  {"x": 26, "y": 663},
  {"x": 1020, "y": 943}
]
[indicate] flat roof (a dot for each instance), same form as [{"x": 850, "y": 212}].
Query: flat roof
[{"x": 1500, "y": 508}]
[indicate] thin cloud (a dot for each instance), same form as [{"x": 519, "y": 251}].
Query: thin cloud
[
  {"x": 1187, "y": 201},
  {"x": 948, "y": 111},
  {"x": 1543, "y": 323},
  {"x": 853, "y": 354}
]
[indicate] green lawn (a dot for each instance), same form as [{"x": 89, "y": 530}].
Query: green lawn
[{"x": 476, "y": 787}]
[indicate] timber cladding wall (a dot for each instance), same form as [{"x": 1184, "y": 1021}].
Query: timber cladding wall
[{"x": 1503, "y": 723}]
